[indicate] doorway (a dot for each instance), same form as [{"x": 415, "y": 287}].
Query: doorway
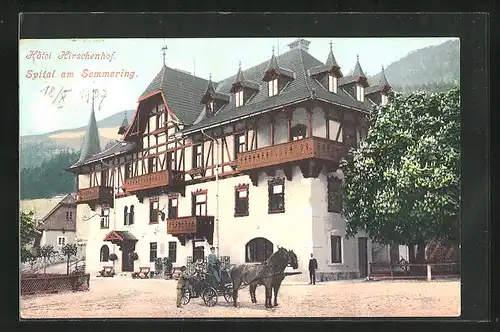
[
  {"x": 127, "y": 256},
  {"x": 198, "y": 250},
  {"x": 363, "y": 256}
]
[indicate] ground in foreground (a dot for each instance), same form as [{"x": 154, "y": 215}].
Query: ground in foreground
[{"x": 134, "y": 298}]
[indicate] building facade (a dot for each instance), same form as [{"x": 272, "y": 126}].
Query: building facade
[{"x": 246, "y": 164}]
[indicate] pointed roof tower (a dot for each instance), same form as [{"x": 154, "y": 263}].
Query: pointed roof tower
[
  {"x": 273, "y": 70},
  {"x": 91, "y": 143},
  {"x": 241, "y": 82},
  {"x": 124, "y": 126},
  {"x": 358, "y": 73},
  {"x": 383, "y": 83},
  {"x": 211, "y": 95},
  {"x": 330, "y": 66}
]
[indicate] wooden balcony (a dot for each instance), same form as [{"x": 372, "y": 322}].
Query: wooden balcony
[
  {"x": 154, "y": 180},
  {"x": 189, "y": 227},
  {"x": 95, "y": 195},
  {"x": 305, "y": 149}
]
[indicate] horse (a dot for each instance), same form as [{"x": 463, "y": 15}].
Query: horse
[{"x": 268, "y": 274}]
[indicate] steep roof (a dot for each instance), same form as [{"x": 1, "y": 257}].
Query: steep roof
[
  {"x": 120, "y": 147},
  {"x": 330, "y": 65},
  {"x": 298, "y": 89},
  {"x": 240, "y": 80},
  {"x": 182, "y": 92},
  {"x": 274, "y": 67},
  {"x": 44, "y": 208},
  {"x": 358, "y": 71},
  {"x": 91, "y": 142}
]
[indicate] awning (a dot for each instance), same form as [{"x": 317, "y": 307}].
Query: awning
[{"x": 120, "y": 236}]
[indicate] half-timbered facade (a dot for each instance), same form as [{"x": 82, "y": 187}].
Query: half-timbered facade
[{"x": 245, "y": 164}]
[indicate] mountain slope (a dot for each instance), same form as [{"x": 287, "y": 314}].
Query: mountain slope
[
  {"x": 428, "y": 68},
  {"x": 34, "y": 149}
]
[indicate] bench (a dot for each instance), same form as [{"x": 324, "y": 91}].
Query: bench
[
  {"x": 107, "y": 271},
  {"x": 143, "y": 273}
]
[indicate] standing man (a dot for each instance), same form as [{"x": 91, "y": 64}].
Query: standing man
[
  {"x": 313, "y": 266},
  {"x": 213, "y": 265},
  {"x": 183, "y": 282}
]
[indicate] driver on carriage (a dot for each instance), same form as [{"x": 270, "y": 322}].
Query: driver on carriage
[{"x": 214, "y": 265}]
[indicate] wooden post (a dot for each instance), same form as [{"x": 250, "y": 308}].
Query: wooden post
[
  {"x": 429, "y": 276},
  {"x": 309, "y": 122}
]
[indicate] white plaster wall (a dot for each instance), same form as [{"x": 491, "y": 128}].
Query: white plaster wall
[
  {"x": 50, "y": 238},
  {"x": 318, "y": 123},
  {"x": 83, "y": 181}
]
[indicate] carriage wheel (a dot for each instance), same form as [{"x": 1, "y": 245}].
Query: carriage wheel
[
  {"x": 209, "y": 296},
  {"x": 185, "y": 297},
  {"x": 228, "y": 293}
]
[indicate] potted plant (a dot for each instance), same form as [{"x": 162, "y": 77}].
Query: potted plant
[
  {"x": 159, "y": 266},
  {"x": 135, "y": 256},
  {"x": 113, "y": 257}
]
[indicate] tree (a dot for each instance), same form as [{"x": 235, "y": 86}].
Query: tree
[
  {"x": 46, "y": 252},
  {"x": 28, "y": 228},
  {"x": 69, "y": 250},
  {"x": 402, "y": 185}
]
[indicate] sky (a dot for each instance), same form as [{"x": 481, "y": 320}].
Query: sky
[{"x": 50, "y": 100}]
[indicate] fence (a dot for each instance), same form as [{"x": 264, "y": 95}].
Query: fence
[
  {"x": 52, "y": 283},
  {"x": 413, "y": 270}
]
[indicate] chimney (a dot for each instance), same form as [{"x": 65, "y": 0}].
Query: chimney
[{"x": 300, "y": 44}]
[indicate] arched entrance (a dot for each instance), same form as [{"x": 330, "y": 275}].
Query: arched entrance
[
  {"x": 104, "y": 253},
  {"x": 258, "y": 250}
]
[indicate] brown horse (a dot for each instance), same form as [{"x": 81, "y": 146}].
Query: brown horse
[{"x": 269, "y": 274}]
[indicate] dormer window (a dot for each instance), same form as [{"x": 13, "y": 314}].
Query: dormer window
[
  {"x": 239, "y": 98},
  {"x": 332, "y": 83},
  {"x": 273, "y": 87},
  {"x": 360, "y": 93},
  {"x": 385, "y": 99}
]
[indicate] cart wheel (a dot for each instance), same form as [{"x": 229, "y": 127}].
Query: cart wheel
[
  {"x": 185, "y": 297},
  {"x": 228, "y": 293},
  {"x": 209, "y": 296}
]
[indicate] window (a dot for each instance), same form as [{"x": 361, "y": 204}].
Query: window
[
  {"x": 276, "y": 192},
  {"x": 61, "y": 241},
  {"x": 69, "y": 215},
  {"x": 153, "y": 210},
  {"x": 360, "y": 93},
  {"x": 335, "y": 130},
  {"x": 334, "y": 194},
  {"x": 128, "y": 170},
  {"x": 298, "y": 132},
  {"x": 199, "y": 204},
  {"x": 239, "y": 98},
  {"x": 153, "y": 251},
  {"x": 171, "y": 160},
  {"x": 104, "y": 218},
  {"x": 258, "y": 250},
  {"x": 104, "y": 253},
  {"x": 197, "y": 156},
  {"x": 131, "y": 215},
  {"x": 104, "y": 178},
  {"x": 211, "y": 108},
  {"x": 239, "y": 144},
  {"x": 172, "y": 251},
  {"x": 336, "y": 248},
  {"x": 241, "y": 201},
  {"x": 332, "y": 83},
  {"x": 385, "y": 99},
  {"x": 160, "y": 120},
  {"x": 173, "y": 208},
  {"x": 125, "y": 216},
  {"x": 151, "y": 165},
  {"x": 273, "y": 87}
]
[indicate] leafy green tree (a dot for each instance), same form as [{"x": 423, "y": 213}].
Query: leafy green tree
[
  {"x": 28, "y": 228},
  {"x": 46, "y": 253},
  {"x": 402, "y": 185},
  {"x": 69, "y": 250}
]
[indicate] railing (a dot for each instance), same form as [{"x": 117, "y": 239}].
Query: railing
[
  {"x": 49, "y": 283},
  {"x": 153, "y": 180},
  {"x": 312, "y": 147},
  {"x": 95, "y": 194},
  {"x": 414, "y": 270},
  {"x": 190, "y": 225}
]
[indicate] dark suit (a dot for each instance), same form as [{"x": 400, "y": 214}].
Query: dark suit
[{"x": 313, "y": 266}]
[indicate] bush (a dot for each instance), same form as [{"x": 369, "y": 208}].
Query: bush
[
  {"x": 135, "y": 256},
  {"x": 167, "y": 265},
  {"x": 159, "y": 266}
]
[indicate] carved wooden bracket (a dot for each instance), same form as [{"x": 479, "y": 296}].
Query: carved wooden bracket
[
  {"x": 287, "y": 169},
  {"x": 254, "y": 177}
]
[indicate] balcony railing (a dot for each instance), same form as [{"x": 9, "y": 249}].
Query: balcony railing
[
  {"x": 199, "y": 226},
  {"x": 97, "y": 194},
  {"x": 308, "y": 148},
  {"x": 153, "y": 180}
]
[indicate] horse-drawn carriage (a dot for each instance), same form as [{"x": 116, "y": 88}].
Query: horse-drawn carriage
[
  {"x": 269, "y": 274},
  {"x": 205, "y": 285}
]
